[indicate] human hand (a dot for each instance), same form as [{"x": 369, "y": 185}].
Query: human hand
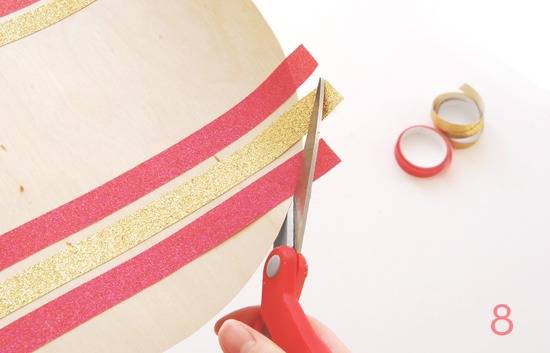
[{"x": 235, "y": 336}]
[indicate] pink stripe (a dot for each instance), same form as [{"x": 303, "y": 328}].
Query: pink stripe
[
  {"x": 124, "y": 281},
  {"x": 9, "y": 6},
  {"x": 93, "y": 206}
]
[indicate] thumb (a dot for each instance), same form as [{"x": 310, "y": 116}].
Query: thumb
[{"x": 236, "y": 337}]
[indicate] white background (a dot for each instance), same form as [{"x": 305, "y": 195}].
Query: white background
[{"x": 399, "y": 264}]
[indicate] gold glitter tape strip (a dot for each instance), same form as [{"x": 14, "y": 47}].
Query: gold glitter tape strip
[
  {"x": 461, "y": 135},
  {"x": 39, "y": 18},
  {"x": 75, "y": 260}
]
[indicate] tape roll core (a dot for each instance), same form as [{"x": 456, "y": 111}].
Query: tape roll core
[
  {"x": 423, "y": 151},
  {"x": 461, "y": 135}
]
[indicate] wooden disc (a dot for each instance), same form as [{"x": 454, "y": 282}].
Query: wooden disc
[{"x": 98, "y": 93}]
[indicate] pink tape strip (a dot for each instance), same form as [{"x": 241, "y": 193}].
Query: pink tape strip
[
  {"x": 9, "y": 6},
  {"x": 97, "y": 204},
  {"x": 113, "y": 287}
]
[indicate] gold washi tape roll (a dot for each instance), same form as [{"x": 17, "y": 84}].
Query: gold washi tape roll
[
  {"x": 461, "y": 135},
  {"x": 98, "y": 249},
  {"x": 39, "y": 18}
]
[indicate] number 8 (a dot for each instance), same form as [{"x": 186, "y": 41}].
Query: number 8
[{"x": 505, "y": 318}]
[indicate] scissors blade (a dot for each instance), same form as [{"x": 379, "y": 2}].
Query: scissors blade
[
  {"x": 302, "y": 193},
  {"x": 286, "y": 233}
]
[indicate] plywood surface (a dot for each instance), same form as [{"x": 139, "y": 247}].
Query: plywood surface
[{"x": 100, "y": 92}]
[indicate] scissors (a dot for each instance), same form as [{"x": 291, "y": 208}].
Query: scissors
[{"x": 280, "y": 315}]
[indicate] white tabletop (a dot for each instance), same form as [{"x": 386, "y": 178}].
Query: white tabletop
[{"x": 399, "y": 264}]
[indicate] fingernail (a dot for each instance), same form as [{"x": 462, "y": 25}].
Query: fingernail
[{"x": 235, "y": 338}]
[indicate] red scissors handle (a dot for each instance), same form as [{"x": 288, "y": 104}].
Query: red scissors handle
[{"x": 287, "y": 324}]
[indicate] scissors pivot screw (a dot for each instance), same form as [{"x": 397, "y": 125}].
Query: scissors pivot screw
[{"x": 273, "y": 266}]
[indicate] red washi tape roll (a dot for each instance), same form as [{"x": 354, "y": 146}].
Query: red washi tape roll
[{"x": 423, "y": 151}]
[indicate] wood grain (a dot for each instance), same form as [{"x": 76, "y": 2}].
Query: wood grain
[{"x": 96, "y": 94}]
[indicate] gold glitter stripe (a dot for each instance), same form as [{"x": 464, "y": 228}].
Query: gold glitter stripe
[
  {"x": 75, "y": 260},
  {"x": 461, "y": 135},
  {"x": 39, "y": 18}
]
